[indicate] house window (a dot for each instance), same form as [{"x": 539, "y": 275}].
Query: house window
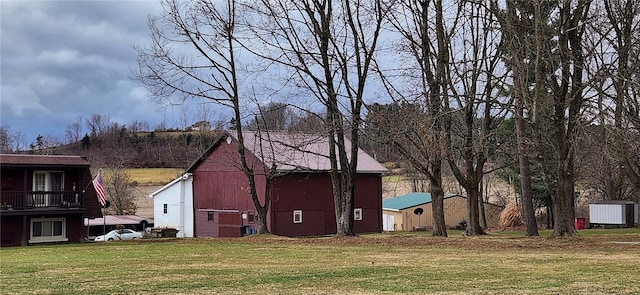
[
  {"x": 47, "y": 181},
  {"x": 252, "y": 217},
  {"x": 357, "y": 214},
  {"x": 209, "y": 216},
  {"x": 297, "y": 216},
  {"x": 165, "y": 209},
  {"x": 48, "y": 230}
]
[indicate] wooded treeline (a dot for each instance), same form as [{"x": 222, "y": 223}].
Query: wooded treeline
[{"x": 546, "y": 90}]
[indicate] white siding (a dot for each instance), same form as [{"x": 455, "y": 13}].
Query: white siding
[
  {"x": 178, "y": 196},
  {"x": 388, "y": 222},
  {"x": 606, "y": 214}
]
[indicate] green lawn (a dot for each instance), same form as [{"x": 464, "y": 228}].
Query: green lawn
[{"x": 600, "y": 262}]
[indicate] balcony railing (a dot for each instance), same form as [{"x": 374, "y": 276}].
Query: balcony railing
[{"x": 23, "y": 200}]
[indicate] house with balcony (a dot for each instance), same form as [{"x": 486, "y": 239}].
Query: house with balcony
[{"x": 45, "y": 199}]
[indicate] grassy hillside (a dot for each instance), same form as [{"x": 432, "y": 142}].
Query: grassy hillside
[
  {"x": 601, "y": 262},
  {"x": 153, "y": 176}
]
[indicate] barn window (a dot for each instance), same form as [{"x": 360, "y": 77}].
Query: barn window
[
  {"x": 209, "y": 216},
  {"x": 357, "y": 214},
  {"x": 165, "y": 209},
  {"x": 252, "y": 217},
  {"x": 297, "y": 216}
]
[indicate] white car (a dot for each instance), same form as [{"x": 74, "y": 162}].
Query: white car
[{"x": 119, "y": 234}]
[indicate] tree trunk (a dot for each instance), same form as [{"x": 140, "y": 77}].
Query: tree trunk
[
  {"x": 437, "y": 200},
  {"x": 261, "y": 222},
  {"x": 525, "y": 173},
  {"x": 473, "y": 224},
  {"x": 564, "y": 208},
  {"x": 483, "y": 215}
]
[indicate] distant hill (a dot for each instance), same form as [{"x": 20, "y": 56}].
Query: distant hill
[{"x": 166, "y": 149}]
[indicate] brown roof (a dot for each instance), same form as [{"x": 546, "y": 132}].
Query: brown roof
[
  {"x": 41, "y": 160},
  {"x": 294, "y": 151}
]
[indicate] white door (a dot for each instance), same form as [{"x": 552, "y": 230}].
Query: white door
[{"x": 388, "y": 221}]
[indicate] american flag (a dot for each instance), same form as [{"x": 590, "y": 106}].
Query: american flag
[{"x": 97, "y": 184}]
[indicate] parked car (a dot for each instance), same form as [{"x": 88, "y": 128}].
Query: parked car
[{"x": 119, "y": 234}]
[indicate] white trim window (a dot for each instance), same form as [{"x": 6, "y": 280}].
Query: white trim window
[
  {"x": 43, "y": 230},
  {"x": 297, "y": 216},
  {"x": 357, "y": 214}
]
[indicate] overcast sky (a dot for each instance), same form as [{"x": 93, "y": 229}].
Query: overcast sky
[{"x": 64, "y": 59}]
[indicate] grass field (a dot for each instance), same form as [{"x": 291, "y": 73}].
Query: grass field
[
  {"x": 600, "y": 262},
  {"x": 153, "y": 176}
]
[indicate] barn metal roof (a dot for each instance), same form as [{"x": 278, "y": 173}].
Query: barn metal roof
[
  {"x": 410, "y": 200},
  {"x": 298, "y": 151},
  {"x": 293, "y": 151}
]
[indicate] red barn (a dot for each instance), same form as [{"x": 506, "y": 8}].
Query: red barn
[
  {"x": 301, "y": 197},
  {"x": 43, "y": 199}
]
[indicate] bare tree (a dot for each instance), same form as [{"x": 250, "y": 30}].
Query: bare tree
[
  {"x": 273, "y": 116},
  {"x": 616, "y": 37},
  {"x": 136, "y": 126},
  {"x": 6, "y": 140},
  {"x": 475, "y": 110},
  {"x": 74, "y": 131},
  {"x": 44, "y": 144},
  {"x": 329, "y": 47},
  {"x": 209, "y": 70},
  {"x": 117, "y": 184},
  {"x": 425, "y": 35},
  {"x": 98, "y": 124},
  {"x": 11, "y": 141}
]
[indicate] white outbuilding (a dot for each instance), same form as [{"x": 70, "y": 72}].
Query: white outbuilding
[
  {"x": 173, "y": 206},
  {"x": 620, "y": 213}
]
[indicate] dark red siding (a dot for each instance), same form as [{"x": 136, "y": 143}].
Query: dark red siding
[
  {"x": 16, "y": 189},
  {"x": 312, "y": 193},
  {"x": 12, "y": 227},
  {"x": 369, "y": 198},
  {"x": 222, "y": 224},
  {"x": 220, "y": 184}
]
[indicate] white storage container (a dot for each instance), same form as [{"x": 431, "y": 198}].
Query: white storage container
[{"x": 622, "y": 213}]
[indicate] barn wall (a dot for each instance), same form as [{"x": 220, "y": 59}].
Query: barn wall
[
  {"x": 224, "y": 224},
  {"x": 369, "y": 198},
  {"x": 313, "y": 194},
  {"x": 220, "y": 184}
]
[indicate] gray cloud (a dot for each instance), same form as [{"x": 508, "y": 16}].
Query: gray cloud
[{"x": 64, "y": 59}]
